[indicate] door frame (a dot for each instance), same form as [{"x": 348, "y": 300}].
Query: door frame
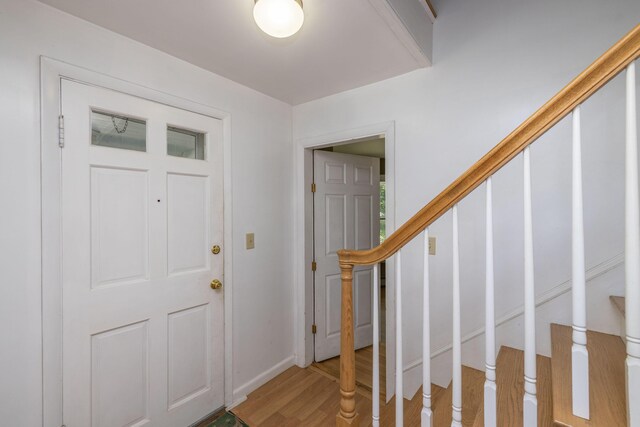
[
  {"x": 52, "y": 72},
  {"x": 303, "y": 237}
]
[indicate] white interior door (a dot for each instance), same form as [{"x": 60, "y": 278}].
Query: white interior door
[
  {"x": 346, "y": 216},
  {"x": 141, "y": 209}
]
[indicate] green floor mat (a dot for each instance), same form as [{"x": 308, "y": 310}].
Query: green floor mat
[{"x": 228, "y": 420}]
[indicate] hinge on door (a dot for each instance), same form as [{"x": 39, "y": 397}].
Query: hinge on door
[
  {"x": 61, "y": 131},
  {"x": 314, "y": 329},
  {"x": 313, "y": 187},
  {"x": 313, "y": 266}
]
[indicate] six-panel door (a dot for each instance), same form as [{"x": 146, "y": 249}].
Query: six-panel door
[
  {"x": 141, "y": 207},
  {"x": 346, "y": 216}
]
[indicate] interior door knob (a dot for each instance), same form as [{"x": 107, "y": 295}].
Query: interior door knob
[{"x": 216, "y": 284}]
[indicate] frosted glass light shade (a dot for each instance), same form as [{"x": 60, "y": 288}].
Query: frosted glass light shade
[{"x": 279, "y": 18}]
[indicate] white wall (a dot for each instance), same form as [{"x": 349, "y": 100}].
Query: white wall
[
  {"x": 262, "y": 175},
  {"x": 495, "y": 63},
  {"x": 416, "y": 20}
]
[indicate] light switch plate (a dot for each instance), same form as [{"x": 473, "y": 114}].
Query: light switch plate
[
  {"x": 432, "y": 245},
  {"x": 250, "y": 241}
]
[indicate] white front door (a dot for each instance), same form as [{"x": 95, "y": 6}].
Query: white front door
[
  {"x": 141, "y": 209},
  {"x": 346, "y": 216}
]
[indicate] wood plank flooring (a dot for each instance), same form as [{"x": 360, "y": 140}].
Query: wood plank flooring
[
  {"x": 412, "y": 409},
  {"x": 472, "y": 383},
  {"x": 364, "y": 368},
  {"x": 606, "y": 379},
  {"x": 510, "y": 382},
  {"x": 311, "y": 396},
  {"x": 306, "y": 397}
]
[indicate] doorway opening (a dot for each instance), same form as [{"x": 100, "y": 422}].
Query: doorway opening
[{"x": 349, "y": 211}]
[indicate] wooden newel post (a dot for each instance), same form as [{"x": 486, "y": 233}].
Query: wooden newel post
[{"x": 347, "y": 415}]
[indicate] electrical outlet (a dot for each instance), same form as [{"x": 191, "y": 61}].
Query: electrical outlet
[
  {"x": 432, "y": 245},
  {"x": 250, "y": 241}
]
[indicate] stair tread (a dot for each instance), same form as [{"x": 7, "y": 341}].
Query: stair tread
[
  {"x": 510, "y": 383},
  {"x": 618, "y": 302},
  {"x": 472, "y": 383},
  {"x": 606, "y": 378},
  {"x": 412, "y": 408}
]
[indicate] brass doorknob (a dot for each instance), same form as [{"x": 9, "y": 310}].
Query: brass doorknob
[
  {"x": 215, "y": 250},
  {"x": 216, "y": 284}
]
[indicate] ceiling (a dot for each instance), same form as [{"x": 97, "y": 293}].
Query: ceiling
[
  {"x": 373, "y": 147},
  {"x": 342, "y": 44}
]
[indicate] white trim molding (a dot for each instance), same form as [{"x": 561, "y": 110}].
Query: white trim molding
[
  {"x": 240, "y": 393},
  {"x": 303, "y": 292},
  {"x": 402, "y": 33},
  {"x": 52, "y": 72}
]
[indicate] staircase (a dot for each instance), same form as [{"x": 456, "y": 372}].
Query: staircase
[
  {"x": 608, "y": 403},
  {"x": 607, "y": 378},
  {"x": 590, "y": 375},
  {"x": 510, "y": 382}
]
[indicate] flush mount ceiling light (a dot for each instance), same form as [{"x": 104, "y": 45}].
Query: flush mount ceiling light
[{"x": 279, "y": 18}]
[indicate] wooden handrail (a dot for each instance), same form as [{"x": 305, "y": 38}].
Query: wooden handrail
[{"x": 582, "y": 87}]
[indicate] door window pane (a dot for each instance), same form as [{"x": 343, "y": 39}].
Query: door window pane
[
  {"x": 185, "y": 143},
  {"x": 111, "y": 130}
]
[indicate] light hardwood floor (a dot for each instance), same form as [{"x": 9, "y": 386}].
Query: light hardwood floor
[
  {"x": 309, "y": 397},
  {"x": 606, "y": 379},
  {"x": 510, "y": 382},
  {"x": 472, "y": 383},
  {"x": 364, "y": 368}
]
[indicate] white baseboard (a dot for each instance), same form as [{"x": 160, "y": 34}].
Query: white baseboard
[
  {"x": 236, "y": 402},
  {"x": 240, "y": 393},
  {"x": 412, "y": 379}
]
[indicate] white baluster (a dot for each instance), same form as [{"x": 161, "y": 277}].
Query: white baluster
[
  {"x": 490, "y": 389},
  {"x": 530, "y": 402},
  {"x": 426, "y": 340},
  {"x": 456, "y": 403},
  {"x": 399, "y": 367},
  {"x": 579, "y": 355},
  {"x": 375, "y": 391},
  {"x": 632, "y": 255}
]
